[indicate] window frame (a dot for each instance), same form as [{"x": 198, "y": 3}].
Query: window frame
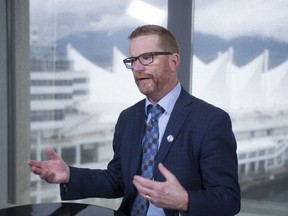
[{"x": 15, "y": 109}]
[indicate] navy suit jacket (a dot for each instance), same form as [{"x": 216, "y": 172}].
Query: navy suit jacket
[{"x": 202, "y": 156}]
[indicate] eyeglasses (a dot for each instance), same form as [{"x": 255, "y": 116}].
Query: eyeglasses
[{"x": 145, "y": 58}]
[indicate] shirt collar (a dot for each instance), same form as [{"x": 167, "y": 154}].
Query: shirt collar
[{"x": 168, "y": 101}]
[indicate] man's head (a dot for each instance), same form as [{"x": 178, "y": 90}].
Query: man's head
[
  {"x": 154, "y": 60},
  {"x": 167, "y": 40}
]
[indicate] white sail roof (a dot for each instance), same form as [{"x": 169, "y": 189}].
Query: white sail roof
[
  {"x": 109, "y": 92},
  {"x": 276, "y": 82},
  {"x": 251, "y": 88}
]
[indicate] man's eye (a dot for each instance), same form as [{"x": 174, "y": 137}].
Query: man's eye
[{"x": 146, "y": 57}]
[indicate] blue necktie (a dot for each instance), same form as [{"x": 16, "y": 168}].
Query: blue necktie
[{"x": 150, "y": 148}]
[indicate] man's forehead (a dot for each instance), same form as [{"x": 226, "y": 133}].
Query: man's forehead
[{"x": 142, "y": 44}]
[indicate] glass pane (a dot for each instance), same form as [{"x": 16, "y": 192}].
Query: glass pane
[
  {"x": 79, "y": 83},
  {"x": 240, "y": 64}
]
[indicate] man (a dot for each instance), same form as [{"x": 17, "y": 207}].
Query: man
[{"x": 195, "y": 168}]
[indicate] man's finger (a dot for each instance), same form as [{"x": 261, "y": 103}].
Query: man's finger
[
  {"x": 36, "y": 170},
  {"x": 165, "y": 172},
  {"x": 141, "y": 181},
  {"x": 52, "y": 154},
  {"x": 34, "y": 163}
]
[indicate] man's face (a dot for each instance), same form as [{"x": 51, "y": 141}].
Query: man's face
[{"x": 158, "y": 78}]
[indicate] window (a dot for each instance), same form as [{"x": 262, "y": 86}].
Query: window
[
  {"x": 74, "y": 60},
  {"x": 262, "y": 152},
  {"x": 54, "y": 72},
  {"x": 240, "y": 64}
]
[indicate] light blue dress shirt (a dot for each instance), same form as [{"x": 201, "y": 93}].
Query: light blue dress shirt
[{"x": 167, "y": 102}]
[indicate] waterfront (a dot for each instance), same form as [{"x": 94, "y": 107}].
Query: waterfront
[
  {"x": 267, "y": 199},
  {"x": 275, "y": 190}
]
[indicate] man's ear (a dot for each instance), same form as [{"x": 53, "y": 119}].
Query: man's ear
[{"x": 175, "y": 62}]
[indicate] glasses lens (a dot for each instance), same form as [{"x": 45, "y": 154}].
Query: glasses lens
[
  {"x": 146, "y": 58},
  {"x": 128, "y": 63}
]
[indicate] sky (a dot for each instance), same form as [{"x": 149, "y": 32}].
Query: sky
[
  {"x": 227, "y": 19},
  {"x": 230, "y": 19}
]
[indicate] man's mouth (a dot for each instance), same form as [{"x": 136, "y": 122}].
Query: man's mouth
[{"x": 140, "y": 79}]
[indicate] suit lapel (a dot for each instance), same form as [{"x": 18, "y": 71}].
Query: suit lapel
[
  {"x": 178, "y": 116},
  {"x": 135, "y": 148},
  {"x": 137, "y": 131}
]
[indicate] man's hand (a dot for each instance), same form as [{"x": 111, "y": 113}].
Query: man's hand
[
  {"x": 54, "y": 170},
  {"x": 169, "y": 194}
]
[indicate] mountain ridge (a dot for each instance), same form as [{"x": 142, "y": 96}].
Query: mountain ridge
[{"x": 98, "y": 46}]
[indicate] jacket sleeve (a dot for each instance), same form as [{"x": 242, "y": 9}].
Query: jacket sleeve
[{"x": 218, "y": 165}]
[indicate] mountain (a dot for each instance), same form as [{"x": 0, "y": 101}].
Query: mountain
[
  {"x": 245, "y": 49},
  {"x": 97, "y": 47}
]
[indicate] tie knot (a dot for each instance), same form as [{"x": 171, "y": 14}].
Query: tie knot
[{"x": 155, "y": 110}]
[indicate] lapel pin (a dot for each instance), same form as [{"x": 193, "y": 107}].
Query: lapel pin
[{"x": 170, "y": 138}]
